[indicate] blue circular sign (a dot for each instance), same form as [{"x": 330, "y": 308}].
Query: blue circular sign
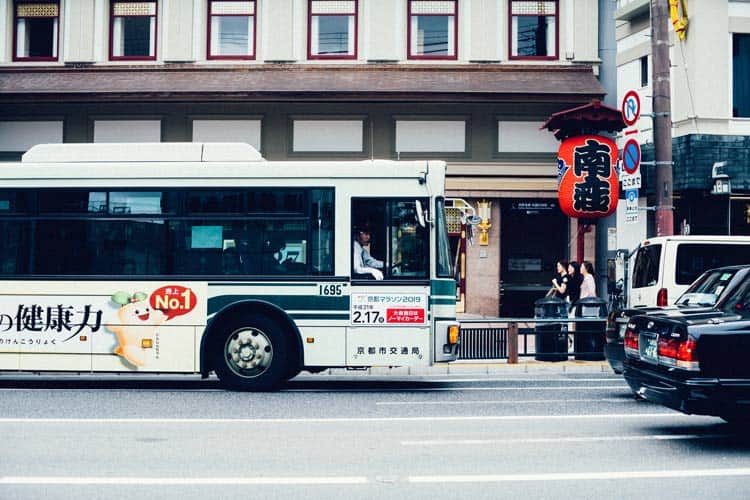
[{"x": 631, "y": 156}]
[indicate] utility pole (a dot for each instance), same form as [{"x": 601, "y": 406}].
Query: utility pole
[
  {"x": 608, "y": 79},
  {"x": 662, "y": 116}
]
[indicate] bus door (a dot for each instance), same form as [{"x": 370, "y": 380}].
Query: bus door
[{"x": 390, "y": 314}]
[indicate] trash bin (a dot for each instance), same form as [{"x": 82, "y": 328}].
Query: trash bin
[
  {"x": 551, "y": 338},
  {"x": 588, "y": 342}
]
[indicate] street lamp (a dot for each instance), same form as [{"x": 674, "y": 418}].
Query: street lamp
[
  {"x": 723, "y": 186},
  {"x": 485, "y": 213}
]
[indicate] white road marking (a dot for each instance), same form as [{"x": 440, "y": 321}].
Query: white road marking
[
  {"x": 461, "y": 389},
  {"x": 333, "y": 420},
  {"x": 495, "y": 401},
  {"x": 358, "y": 480},
  {"x": 581, "y": 476},
  {"x": 178, "y": 481},
  {"x": 589, "y": 439}
]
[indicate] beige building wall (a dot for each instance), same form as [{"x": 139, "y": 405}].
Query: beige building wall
[
  {"x": 484, "y": 30},
  {"x": 483, "y": 270},
  {"x": 383, "y": 37},
  {"x": 278, "y": 22},
  {"x": 79, "y": 26},
  {"x": 177, "y": 30}
]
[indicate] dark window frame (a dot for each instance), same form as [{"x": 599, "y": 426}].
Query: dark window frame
[
  {"x": 112, "y": 17},
  {"x": 56, "y": 55},
  {"x": 409, "y": 15},
  {"x": 254, "y": 15},
  {"x": 355, "y": 33},
  {"x": 556, "y": 55}
]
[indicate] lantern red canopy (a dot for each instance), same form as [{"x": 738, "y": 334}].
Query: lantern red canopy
[{"x": 588, "y": 180}]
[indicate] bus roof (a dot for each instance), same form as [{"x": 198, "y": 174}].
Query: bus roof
[
  {"x": 143, "y": 152},
  {"x": 142, "y": 165}
]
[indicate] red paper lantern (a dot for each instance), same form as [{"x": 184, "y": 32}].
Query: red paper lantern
[{"x": 588, "y": 180}]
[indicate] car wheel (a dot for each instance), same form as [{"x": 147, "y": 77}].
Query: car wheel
[{"x": 250, "y": 354}]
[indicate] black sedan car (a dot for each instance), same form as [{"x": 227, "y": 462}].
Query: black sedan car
[
  {"x": 705, "y": 292},
  {"x": 696, "y": 363}
]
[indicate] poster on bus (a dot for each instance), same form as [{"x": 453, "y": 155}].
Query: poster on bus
[
  {"x": 386, "y": 309},
  {"x": 117, "y": 326}
]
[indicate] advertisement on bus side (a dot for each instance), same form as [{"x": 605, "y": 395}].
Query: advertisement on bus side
[{"x": 138, "y": 325}]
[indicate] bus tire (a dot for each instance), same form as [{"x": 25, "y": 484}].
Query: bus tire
[{"x": 250, "y": 353}]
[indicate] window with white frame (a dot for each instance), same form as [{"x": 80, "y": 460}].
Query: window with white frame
[
  {"x": 209, "y": 130},
  {"x": 22, "y": 135},
  {"x": 524, "y": 137},
  {"x": 534, "y": 29},
  {"x": 432, "y": 29},
  {"x": 330, "y": 136},
  {"x": 430, "y": 136},
  {"x": 127, "y": 131},
  {"x": 133, "y": 30},
  {"x": 231, "y": 29},
  {"x": 332, "y": 30},
  {"x": 36, "y": 30}
]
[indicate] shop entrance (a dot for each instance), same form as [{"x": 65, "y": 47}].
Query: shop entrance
[{"x": 534, "y": 236}]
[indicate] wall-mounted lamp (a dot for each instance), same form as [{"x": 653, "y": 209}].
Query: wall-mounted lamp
[
  {"x": 485, "y": 213},
  {"x": 723, "y": 186}
]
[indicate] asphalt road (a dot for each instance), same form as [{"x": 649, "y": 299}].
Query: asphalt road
[{"x": 544, "y": 435}]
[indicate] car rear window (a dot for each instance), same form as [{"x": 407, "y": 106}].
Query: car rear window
[
  {"x": 695, "y": 258},
  {"x": 707, "y": 289},
  {"x": 646, "y": 268}
]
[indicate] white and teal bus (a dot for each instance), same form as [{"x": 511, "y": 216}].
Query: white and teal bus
[{"x": 200, "y": 258}]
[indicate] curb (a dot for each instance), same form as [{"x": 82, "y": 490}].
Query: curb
[{"x": 483, "y": 368}]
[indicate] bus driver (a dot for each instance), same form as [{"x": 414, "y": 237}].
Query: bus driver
[{"x": 364, "y": 263}]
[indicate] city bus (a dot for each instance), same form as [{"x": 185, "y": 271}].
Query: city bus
[{"x": 205, "y": 257}]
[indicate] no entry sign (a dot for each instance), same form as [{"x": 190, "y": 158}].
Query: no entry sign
[{"x": 631, "y": 107}]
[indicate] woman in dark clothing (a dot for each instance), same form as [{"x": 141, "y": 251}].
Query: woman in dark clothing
[
  {"x": 574, "y": 282},
  {"x": 560, "y": 280}
]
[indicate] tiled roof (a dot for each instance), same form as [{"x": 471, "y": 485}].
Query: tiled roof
[{"x": 470, "y": 82}]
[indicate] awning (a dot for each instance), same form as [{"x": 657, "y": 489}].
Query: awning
[{"x": 267, "y": 82}]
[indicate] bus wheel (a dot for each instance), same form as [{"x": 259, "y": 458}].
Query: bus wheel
[{"x": 250, "y": 354}]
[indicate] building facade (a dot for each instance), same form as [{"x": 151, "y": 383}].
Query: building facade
[
  {"x": 468, "y": 81},
  {"x": 710, "y": 111}
]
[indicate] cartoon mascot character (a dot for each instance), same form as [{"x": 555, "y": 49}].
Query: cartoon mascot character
[{"x": 137, "y": 321}]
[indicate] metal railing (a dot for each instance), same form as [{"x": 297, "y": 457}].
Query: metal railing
[{"x": 511, "y": 338}]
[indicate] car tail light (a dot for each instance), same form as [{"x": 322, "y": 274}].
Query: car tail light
[
  {"x": 631, "y": 340},
  {"x": 680, "y": 353},
  {"x": 661, "y": 298}
]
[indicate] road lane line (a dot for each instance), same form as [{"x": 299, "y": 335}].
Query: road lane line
[
  {"x": 581, "y": 476},
  {"x": 333, "y": 420},
  {"x": 496, "y": 401},
  {"x": 178, "y": 481},
  {"x": 456, "y": 389},
  {"x": 589, "y": 439}
]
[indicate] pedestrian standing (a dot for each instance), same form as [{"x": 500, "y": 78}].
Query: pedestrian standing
[
  {"x": 574, "y": 283},
  {"x": 560, "y": 280},
  {"x": 588, "y": 285}
]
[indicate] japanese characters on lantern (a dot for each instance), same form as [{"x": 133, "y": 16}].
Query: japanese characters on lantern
[{"x": 588, "y": 186}]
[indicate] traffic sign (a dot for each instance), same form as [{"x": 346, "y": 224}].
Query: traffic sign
[
  {"x": 631, "y": 206},
  {"x": 631, "y": 201},
  {"x": 631, "y": 156},
  {"x": 631, "y": 107},
  {"x": 631, "y": 181}
]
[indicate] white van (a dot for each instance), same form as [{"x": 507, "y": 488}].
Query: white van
[{"x": 664, "y": 267}]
